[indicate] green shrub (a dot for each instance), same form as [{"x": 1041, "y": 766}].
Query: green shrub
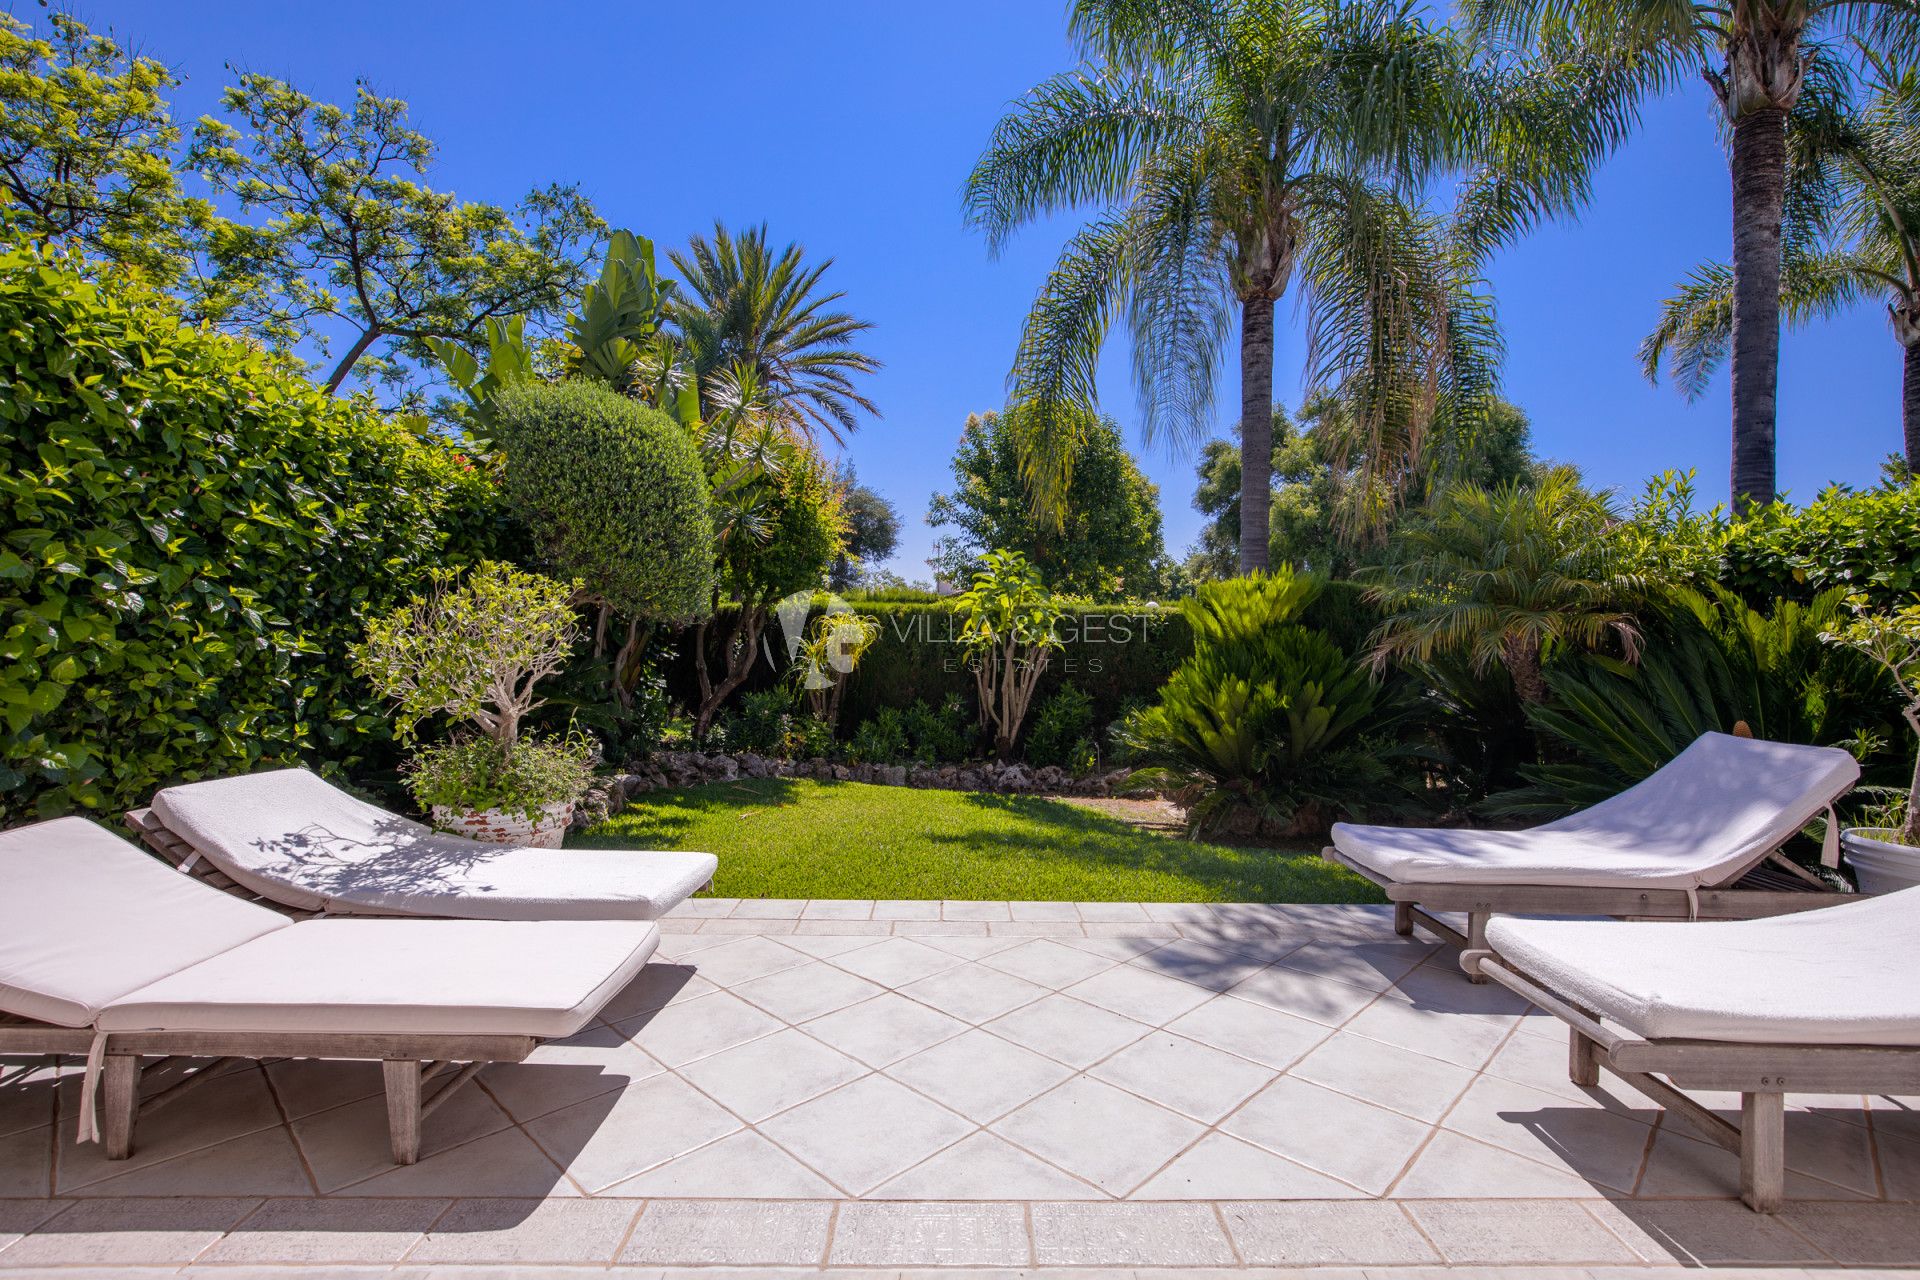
[
  {"x": 613, "y": 493},
  {"x": 762, "y": 723},
  {"x": 477, "y": 772},
  {"x": 938, "y": 734},
  {"x": 1266, "y": 717},
  {"x": 194, "y": 538},
  {"x": 1062, "y": 729},
  {"x": 881, "y": 740},
  {"x": 1867, "y": 542}
]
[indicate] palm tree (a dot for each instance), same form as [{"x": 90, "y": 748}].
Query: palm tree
[
  {"x": 744, "y": 306},
  {"x": 1851, "y": 231},
  {"x": 1507, "y": 575},
  {"x": 1757, "y": 55},
  {"x": 1243, "y": 149}
]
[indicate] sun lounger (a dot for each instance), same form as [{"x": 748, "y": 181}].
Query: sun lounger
[
  {"x": 292, "y": 839},
  {"x": 1820, "y": 1003},
  {"x": 1686, "y": 843},
  {"x": 106, "y": 952}
]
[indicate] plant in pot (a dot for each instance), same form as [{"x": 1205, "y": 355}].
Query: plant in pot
[
  {"x": 1887, "y": 857},
  {"x": 475, "y": 651}
]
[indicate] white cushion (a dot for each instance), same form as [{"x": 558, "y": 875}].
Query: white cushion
[
  {"x": 1839, "y": 975},
  {"x": 1704, "y": 819},
  {"x": 430, "y": 977},
  {"x": 290, "y": 836},
  {"x": 86, "y": 917}
]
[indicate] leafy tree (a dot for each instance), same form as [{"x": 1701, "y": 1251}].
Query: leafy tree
[
  {"x": 1249, "y": 148},
  {"x": 746, "y": 307},
  {"x": 1851, "y": 231},
  {"x": 1508, "y": 575},
  {"x": 86, "y": 150},
  {"x": 615, "y": 496},
  {"x": 1108, "y": 537},
  {"x": 1009, "y": 628},
  {"x": 1758, "y": 56},
  {"x": 1892, "y": 641},
  {"x": 873, "y": 531},
  {"x": 354, "y": 236}
]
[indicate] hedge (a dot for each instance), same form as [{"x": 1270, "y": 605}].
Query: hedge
[
  {"x": 1867, "y": 541},
  {"x": 1117, "y": 655},
  {"x": 193, "y": 536}
]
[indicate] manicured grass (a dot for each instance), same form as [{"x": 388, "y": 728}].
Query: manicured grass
[{"x": 792, "y": 838}]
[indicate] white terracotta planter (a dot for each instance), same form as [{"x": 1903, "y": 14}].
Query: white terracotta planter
[
  {"x": 1880, "y": 862},
  {"x": 495, "y": 827}
]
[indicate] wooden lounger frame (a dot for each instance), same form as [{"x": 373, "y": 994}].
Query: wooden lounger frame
[
  {"x": 1772, "y": 885},
  {"x": 409, "y": 1063},
  {"x": 1762, "y": 1074}
]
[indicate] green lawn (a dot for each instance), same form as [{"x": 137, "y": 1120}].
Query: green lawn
[{"x": 793, "y": 838}]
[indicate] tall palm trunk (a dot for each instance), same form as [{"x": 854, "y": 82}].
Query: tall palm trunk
[
  {"x": 1906, "y": 327},
  {"x": 1256, "y": 431},
  {"x": 1759, "y": 198}
]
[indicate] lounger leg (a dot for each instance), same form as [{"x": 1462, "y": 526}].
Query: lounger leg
[
  {"x": 403, "y": 1108},
  {"x": 1583, "y": 1059},
  {"x": 119, "y": 1102},
  {"x": 1403, "y": 919},
  {"x": 1477, "y": 939},
  {"x": 1763, "y": 1151}
]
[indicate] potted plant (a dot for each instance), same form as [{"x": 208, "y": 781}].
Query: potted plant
[
  {"x": 476, "y": 652},
  {"x": 1887, "y": 857}
]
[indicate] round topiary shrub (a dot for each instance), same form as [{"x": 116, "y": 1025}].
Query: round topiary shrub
[
  {"x": 613, "y": 493},
  {"x": 192, "y": 537}
]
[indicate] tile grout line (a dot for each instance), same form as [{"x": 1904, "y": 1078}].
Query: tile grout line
[
  {"x": 626, "y": 1237},
  {"x": 293, "y": 1138}
]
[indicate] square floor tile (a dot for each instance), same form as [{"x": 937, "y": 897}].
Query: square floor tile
[
  {"x": 1137, "y": 993},
  {"x": 795, "y": 995},
  {"x": 607, "y": 1140},
  {"x": 1304, "y": 995},
  {"x": 740, "y": 1164},
  {"x": 984, "y": 1166},
  {"x": 1096, "y": 1132},
  {"x": 1374, "y": 1071},
  {"x": 744, "y": 959},
  {"x": 1605, "y": 1147},
  {"x": 1372, "y": 965},
  {"x": 561, "y": 1072},
  {"x": 861, "y": 1135},
  {"x": 980, "y": 1075},
  {"x": 1252, "y": 1031},
  {"x": 1067, "y": 1030},
  {"x": 764, "y": 1076},
  {"x": 1354, "y": 1141},
  {"x": 1123, "y": 1235},
  {"x": 1049, "y": 963},
  {"x": 683, "y": 1033},
  {"x": 973, "y": 992},
  {"x": 1218, "y": 1167},
  {"x": 1189, "y": 1077},
  {"x": 885, "y": 1029},
  {"x": 1201, "y": 963},
  {"x": 896, "y": 962}
]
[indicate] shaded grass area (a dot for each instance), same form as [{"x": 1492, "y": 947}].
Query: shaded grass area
[{"x": 799, "y": 838}]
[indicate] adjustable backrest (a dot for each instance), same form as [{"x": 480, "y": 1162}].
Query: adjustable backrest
[{"x": 86, "y": 917}]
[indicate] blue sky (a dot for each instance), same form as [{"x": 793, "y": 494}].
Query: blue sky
[{"x": 850, "y": 126}]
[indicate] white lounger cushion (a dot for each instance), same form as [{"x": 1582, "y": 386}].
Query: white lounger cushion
[
  {"x": 85, "y": 918},
  {"x": 1703, "y": 820},
  {"x": 424, "y": 977},
  {"x": 1839, "y": 975},
  {"x": 290, "y": 836}
]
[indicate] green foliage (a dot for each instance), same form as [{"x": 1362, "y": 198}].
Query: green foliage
[
  {"x": 193, "y": 540},
  {"x": 1891, "y": 641},
  {"x": 476, "y": 772},
  {"x": 1867, "y": 542},
  {"x": 873, "y": 531},
  {"x": 1266, "y": 717},
  {"x": 1107, "y": 540},
  {"x": 613, "y": 493},
  {"x": 1710, "y": 663},
  {"x": 1062, "y": 732},
  {"x": 881, "y": 740},
  {"x": 354, "y": 237},
  {"x": 1008, "y": 620},
  {"x": 938, "y": 733},
  {"x": 474, "y": 652},
  {"x": 803, "y": 529},
  {"x": 764, "y": 722}
]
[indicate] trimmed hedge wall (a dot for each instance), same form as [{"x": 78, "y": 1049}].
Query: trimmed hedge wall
[{"x": 193, "y": 536}]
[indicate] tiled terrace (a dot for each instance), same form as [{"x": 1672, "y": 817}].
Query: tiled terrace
[{"x": 900, "y": 1085}]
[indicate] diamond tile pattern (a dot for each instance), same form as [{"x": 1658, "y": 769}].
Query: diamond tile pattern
[{"x": 1344, "y": 1096}]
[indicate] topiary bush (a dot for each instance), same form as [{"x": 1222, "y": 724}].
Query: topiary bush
[
  {"x": 194, "y": 538},
  {"x": 613, "y": 493}
]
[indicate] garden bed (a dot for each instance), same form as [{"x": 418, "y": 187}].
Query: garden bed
[{"x": 803, "y": 838}]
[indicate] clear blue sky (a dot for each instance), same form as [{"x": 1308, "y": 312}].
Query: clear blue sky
[{"x": 850, "y": 126}]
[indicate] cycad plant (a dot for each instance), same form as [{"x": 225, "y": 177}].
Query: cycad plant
[
  {"x": 1711, "y": 663},
  {"x": 747, "y": 307},
  {"x": 1243, "y": 150},
  {"x": 1758, "y": 56},
  {"x": 1267, "y": 719},
  {"x": 1851, "y": 231},
  {"x": 1508, "y": 575}
]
